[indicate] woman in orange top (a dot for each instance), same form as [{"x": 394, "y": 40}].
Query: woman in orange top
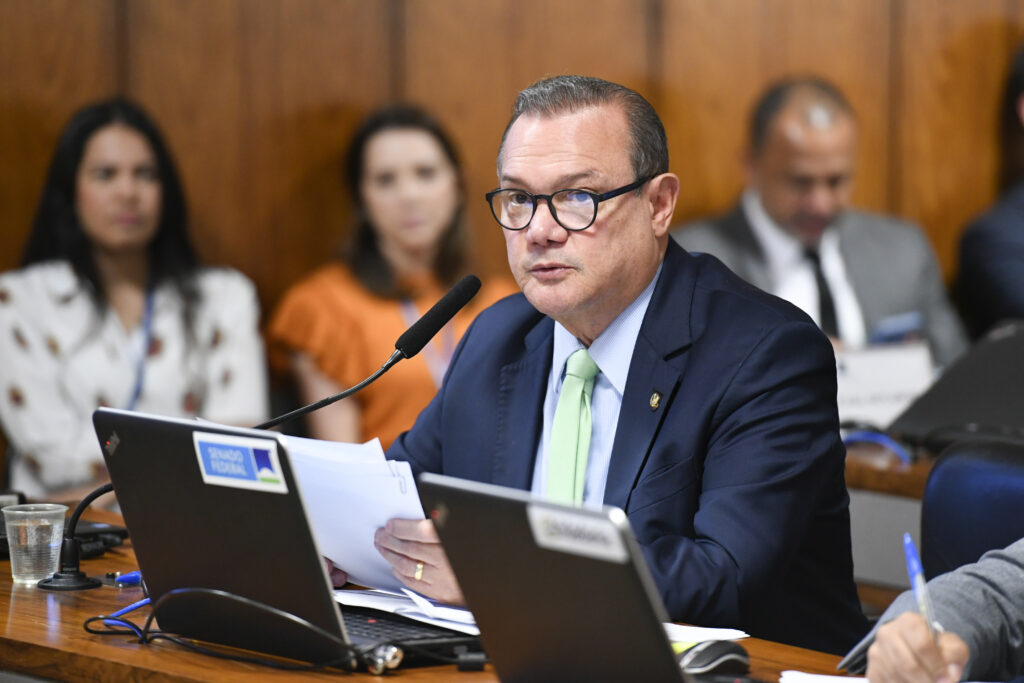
[{"x": 339, "y": 324}]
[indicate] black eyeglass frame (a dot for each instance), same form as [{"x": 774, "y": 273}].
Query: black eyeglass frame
[{"x": 597, "y": 198}]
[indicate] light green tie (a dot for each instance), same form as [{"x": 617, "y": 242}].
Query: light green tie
[{"x": 570, "y": 432}]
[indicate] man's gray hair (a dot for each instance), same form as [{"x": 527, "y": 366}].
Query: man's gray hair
[
  {"x": 569, "y": 94},
  {"x": 823, "y": 102}
]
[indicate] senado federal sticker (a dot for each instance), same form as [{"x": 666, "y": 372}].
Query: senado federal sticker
[
  {"x": 239, "y": 462},
  {"x": 578, "y": 534}
]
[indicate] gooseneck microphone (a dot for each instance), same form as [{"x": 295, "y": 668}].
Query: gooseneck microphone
[
  {"x": 408, "y": 345},
  {"x": 424, "y": 329},
  {"x": 69, "y": 577}
]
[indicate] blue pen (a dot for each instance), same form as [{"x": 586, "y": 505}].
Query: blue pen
[{"x": 917, "y": 582}]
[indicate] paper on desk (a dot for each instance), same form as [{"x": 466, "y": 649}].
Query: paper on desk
[
  {"x": 336, "y": 451},
  {"x": 350, "y": 491},
  {"x": 876, "y": 384},
  {"x": 437, "y": 610},
  {"x": 801, "y": 677},
  {"x": 461, "y": 619},
  {"x": 415, "y": 606},
  {"x": 678, "y": 633}
]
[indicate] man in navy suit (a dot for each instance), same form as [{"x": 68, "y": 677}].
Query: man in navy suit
[
  {"x": 991, "y": 280},
  {"x": 714, "y": 407}
]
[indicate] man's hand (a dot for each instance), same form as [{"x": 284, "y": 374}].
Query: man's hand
[
  {"x": 904, "y": 650},
  {"x": 338, "y": 577},
  {"x": 405, "y": 544}
]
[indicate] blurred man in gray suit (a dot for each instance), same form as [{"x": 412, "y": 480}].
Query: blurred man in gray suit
[{"x": 863, "y": 278}]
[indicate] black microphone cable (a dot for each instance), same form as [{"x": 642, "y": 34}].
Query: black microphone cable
[{"x": 378, "y": 657}]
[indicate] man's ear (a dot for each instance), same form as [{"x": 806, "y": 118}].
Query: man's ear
[
  {"x": 1020, "y": 109},
  {"x": 663, "y": 193}
]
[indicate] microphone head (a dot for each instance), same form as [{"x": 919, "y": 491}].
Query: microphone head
[{"x": 424, "y": 329}]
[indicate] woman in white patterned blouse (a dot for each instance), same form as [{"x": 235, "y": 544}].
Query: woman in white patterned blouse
[{"x": 111, "y": 308}]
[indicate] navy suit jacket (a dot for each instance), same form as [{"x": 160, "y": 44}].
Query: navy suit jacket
[
  {"x": 991, "y": 280},
  {"x": 733, "y": 483}
]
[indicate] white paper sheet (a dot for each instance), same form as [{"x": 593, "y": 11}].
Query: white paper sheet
[
  {"x": 335, "y": 451},
  {"x": 417, "y": 607},
  {"x": 877, "y": 383},
  {"x": 394, "y": 603},
  {"x": 350, "y": 491},
  {"x": 437, "y": 610},
  {"x": 679, "y": 633},
  {"x": 801, "y": 677}
]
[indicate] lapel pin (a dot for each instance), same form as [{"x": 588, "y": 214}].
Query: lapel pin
[{"x": 655, "y": 400}]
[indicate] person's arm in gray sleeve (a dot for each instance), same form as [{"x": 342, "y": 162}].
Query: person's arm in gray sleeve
[{"x": 983, "y": 603}]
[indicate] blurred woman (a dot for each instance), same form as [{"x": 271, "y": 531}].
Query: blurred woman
[
  {"x": 111, "y": 308},
  {"x": 338, "y": 325}
]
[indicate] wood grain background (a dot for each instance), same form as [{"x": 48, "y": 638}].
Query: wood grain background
[{"x": 258, "y": 97}]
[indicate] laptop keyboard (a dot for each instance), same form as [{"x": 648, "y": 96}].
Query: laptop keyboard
[{"x": 381, "y": 626}]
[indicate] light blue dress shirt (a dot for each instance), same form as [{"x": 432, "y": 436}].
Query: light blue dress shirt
[{"x": 613, "y": 352}]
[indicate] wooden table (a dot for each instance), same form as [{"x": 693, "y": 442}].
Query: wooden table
[
  {"x": 42, "y": 635},
  {"x": 872, "y": 468}
]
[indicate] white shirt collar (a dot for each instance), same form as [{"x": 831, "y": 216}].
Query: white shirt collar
[
  {"x": 792, "y": 277},
  {"x": 782, "y": 251},
  {"x": 613, "y": 348},
  {"x": 59, "y": 280}
]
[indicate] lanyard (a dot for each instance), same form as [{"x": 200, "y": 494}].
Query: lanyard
[
  {"x": 437, "y": 358},
  {"x": 147, "y": 336}
]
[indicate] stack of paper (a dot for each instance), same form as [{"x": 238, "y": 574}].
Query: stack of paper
[
  {"x": 680, "y": 633},
  {"x": 351, "y": 490},
  {"x": 414, "y": 606}
]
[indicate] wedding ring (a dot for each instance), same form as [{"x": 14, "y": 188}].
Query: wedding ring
[{"x": 418, "y": 574}]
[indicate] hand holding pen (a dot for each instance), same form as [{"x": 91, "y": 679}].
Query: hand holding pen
[{"x": 913, "y": 646}]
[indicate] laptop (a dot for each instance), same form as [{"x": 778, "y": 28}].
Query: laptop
[
  {"x": 560, "y": 593},
  {"x": 979, "y": 396},
  {"x": 218, "y": 508}
]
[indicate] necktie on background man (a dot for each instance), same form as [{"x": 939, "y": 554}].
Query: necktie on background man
[
  {"x": 570, "y": 431},
  {"x": 826, "y": 304}
]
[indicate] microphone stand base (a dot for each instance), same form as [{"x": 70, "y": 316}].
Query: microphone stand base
[{"x": 69, "y": 581}]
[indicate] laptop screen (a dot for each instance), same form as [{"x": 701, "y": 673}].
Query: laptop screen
[
  {"x": 218, "y": 508},
  {"x": 559, "y": 593}
]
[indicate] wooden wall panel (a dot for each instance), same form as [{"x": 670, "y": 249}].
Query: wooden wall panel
[
  {"x": 55, "y": 56},
  {"x": 184, "y": 62},
  {"x": 467, "y": 59},
  {"x": 951, "y": 65},
  {"x": 719, "y": 55},
  {"x": 259, "y": 98}
]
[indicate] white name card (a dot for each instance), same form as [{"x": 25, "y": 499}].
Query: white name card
[{"x": 877, "y": 383}]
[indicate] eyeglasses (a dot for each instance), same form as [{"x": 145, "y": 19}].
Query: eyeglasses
[{"x": 572, "y": 209}]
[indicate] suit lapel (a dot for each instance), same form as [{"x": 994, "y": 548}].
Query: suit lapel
[
  {"x": 861, "y": 270},
  {"x": 655, "y": 371},
  {"x": 521, "y": 392},
  {"x": 753, "y": 265}
]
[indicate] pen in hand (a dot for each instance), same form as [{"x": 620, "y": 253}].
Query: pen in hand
[{"x": 917, "y": 582}]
